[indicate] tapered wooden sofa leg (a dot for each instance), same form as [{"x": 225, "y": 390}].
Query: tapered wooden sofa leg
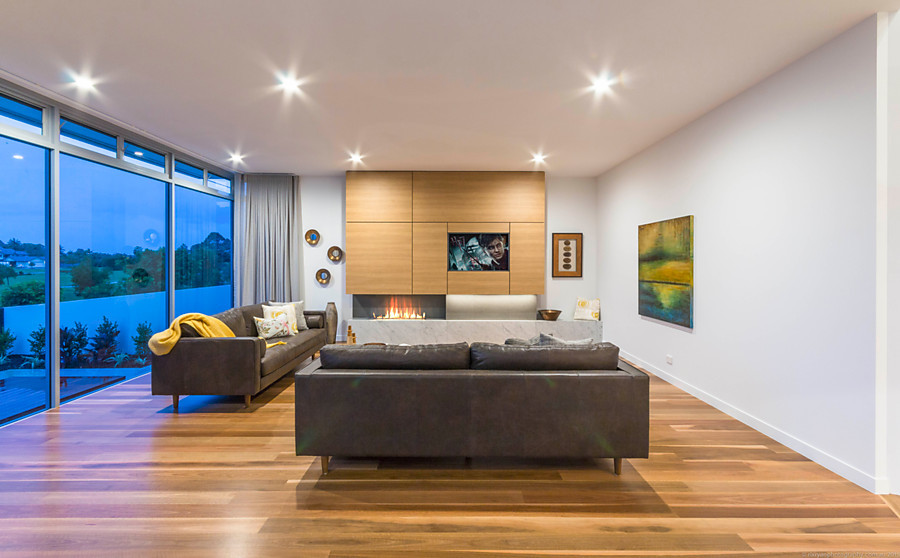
[
  {"x": 247, "y": 401},
  {"x": 324, "y": 459},
  {"x": 617, "y": 464},
  {"x": 174, "y": 403}
]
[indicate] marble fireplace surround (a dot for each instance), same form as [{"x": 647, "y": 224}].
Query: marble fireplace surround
[
  {"x": 469, "y": 318},
  {"x": 453, "y": 331}
]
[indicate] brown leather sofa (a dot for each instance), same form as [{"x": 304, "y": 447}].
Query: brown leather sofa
[
  {"x": 481, "y": 401},
  {"x": 238, "y": 365}
]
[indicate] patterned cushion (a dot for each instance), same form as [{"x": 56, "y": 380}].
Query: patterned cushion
[
  {"x": 587, "y": 309},
  {"x": 267, "y": 328},
  {"x": 285, "y": 310},
  {"x": 298, "y": 311}
]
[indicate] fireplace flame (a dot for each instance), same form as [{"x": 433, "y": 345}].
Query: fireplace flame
[{"x": 401, "y": 309}]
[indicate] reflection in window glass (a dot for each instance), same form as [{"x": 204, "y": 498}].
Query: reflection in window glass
[
  {"x": 21, "y": 115},
  {"x": 88, "y": 138},
  {"x": 202, "y": 252},
  {"x": 23, "y": 276},
  {"x": 112, "y": 273},
  {"x": 144, "y": 157},
  {"x": 188, "y": 172},
  {"x": 219, "y": 183}
]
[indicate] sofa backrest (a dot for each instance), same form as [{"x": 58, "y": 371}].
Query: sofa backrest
[
  {"x": 598, "y": 356},
  {"x": 234, "y": 319},
  {"x": 396, "y": 357}
]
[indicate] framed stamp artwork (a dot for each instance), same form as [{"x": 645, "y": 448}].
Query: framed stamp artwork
[{"x": 567, "y": 254}]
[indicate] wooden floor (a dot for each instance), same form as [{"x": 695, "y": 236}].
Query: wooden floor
[{"x": 117, "y": 474}]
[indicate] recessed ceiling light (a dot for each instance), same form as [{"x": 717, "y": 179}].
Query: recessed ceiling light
[
  {"x": 538, "y": 158},
  {"x": 603, "y": 83},
  {"x": 355, "y": 158},
  {"x": 19, "y": 157},
  {"x": 289, "y": 83},
  {"x": 84, "y": 82},
  {"x": 236, "y": 158},
  {"x": 138, "y": 153}
]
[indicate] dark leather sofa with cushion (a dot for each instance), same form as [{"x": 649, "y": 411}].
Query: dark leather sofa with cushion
[
  {"x": 481, "y": 401},
  {"x": 240, "y": 365}
]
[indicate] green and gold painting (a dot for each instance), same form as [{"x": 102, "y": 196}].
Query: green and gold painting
[{"x": 666, "y": 270}]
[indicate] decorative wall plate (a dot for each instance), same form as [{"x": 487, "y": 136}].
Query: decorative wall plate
[
  {"x": 335, "y": 254},
  {"x": 323, "y": 276},
  {"x": 313, "y": 237}
]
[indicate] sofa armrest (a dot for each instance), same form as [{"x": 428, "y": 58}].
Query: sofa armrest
[
  {"x": 307, "y": 370},
  {"x": 209, "y": 366},
  {"x": 315, "y": 319}
]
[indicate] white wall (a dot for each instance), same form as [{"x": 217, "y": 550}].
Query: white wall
[
  {"x": 322, "y": 208},
  {"x": 570, "y": 209},
  {"x": 781, "y": 183},
  {"x": 889, "y": 302}
]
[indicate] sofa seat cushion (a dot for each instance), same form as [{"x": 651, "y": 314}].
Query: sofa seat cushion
[
  {"x": 294, "y": 346},
  {"x": 599, "y": 356},
  {"x": 451, "y": 356}
]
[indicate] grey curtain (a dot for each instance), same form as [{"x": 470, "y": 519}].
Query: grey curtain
[{"x": 271, "y": 264}]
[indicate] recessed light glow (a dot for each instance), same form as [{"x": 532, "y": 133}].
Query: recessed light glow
[
  {"x": 236, "y": 158},
  {"x": 19, "y": 157},
  {"x": 603, "y": 83},
  {"x": 538, "y": 158},
  {"x": 84, "y": 82},
  {"x": 289, "y": 83},
  {"x": 355, "y": 158},
  {"x": 138, "y": 153}
]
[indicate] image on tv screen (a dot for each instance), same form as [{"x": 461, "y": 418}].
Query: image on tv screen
[{"x": 478, "y": 252}]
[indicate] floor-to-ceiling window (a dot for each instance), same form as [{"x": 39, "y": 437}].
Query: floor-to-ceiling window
[
  {"x": 112, "y": 287},
  {"x": 202, "y": 252},
  {"x": 23, "y": 277},
  {"x": 124, "y": 232}
]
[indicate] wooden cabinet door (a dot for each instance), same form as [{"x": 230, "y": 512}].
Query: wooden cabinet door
[
  {"x": 477, "y": 282},
  {"x": 526, "y": 258},
  {"x": 429, "y": 258},
  {"x": 379, "y": 258},
  {"x": 486, "y": 197},
  {"x": 380, "y": 197}
]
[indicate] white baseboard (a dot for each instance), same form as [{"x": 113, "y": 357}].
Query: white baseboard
[{"x": 878, "y": 485}]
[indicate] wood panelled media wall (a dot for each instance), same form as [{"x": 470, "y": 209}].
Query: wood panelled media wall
[{"x": 397, "y": 226}]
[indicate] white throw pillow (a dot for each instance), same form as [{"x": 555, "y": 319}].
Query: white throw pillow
[
  {"x": 267, "y": 328},
  {"x": 298, "y": 313},
  {"x": 286, "y": 310},
  {"x": 587, "y": 309}
]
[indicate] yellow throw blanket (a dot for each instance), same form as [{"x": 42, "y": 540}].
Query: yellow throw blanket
[{"x": 207, "y": 326}]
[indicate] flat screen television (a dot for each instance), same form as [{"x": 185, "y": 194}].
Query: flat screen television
[{"x": 478, "y": 252}]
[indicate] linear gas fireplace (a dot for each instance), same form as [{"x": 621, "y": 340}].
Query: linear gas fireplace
[{"x": 399, "y": 307}]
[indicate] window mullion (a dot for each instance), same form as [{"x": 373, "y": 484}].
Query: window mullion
[{"x": 52, "y": 297}]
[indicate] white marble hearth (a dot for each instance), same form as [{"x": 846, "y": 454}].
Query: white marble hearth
[{"x": 454, "y": 331}]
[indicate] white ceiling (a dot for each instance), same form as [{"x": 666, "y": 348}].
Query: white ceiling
[{"x": 413, "y": 84}]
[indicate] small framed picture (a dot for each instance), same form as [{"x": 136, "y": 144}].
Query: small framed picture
[{"x": 567, "y": 254}]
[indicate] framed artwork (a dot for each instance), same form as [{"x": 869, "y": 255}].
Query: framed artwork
[
  {"x": 666, "y": 270},
  {"x": 567, "y": 254}
]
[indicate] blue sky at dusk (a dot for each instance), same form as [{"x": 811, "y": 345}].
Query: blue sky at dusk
[
  {"x": 22, "y": 191},
  {"x": 102, "y": 208}
]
